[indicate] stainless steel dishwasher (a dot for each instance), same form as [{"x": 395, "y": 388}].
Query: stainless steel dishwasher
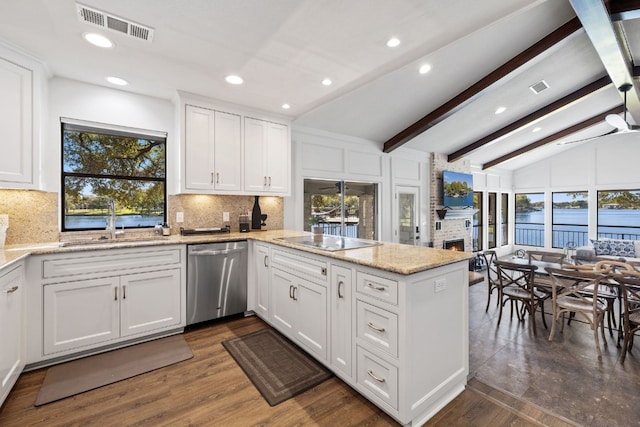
[{"x": 216, "y": 280}]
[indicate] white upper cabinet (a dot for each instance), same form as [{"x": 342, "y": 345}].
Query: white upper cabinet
[
  {"x": 267, "y": 157},
  {"x": 18, "y": 121},
  {"x": 212, "y": 150}
]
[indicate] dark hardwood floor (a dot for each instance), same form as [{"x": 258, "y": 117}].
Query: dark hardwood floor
[{"x": 519, "y": 380}]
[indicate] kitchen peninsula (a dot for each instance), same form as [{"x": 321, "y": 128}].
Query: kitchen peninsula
[{"x": 390, "y": 320}]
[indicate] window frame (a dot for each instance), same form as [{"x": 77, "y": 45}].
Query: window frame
[
  {"x": 516, "y": 222},
  {"x": 67, "y": 125}
]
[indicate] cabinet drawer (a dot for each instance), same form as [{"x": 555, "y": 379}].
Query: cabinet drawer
[
  {"x": 377, "y": 327},
  {"x": 300, "y": 266},
  {"x": 377, "y": 287},
  {"x": 102, "y": 261},
  {"x": 377, "y": 378}
]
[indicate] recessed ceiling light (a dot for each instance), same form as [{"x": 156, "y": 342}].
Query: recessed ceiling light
[
  {"x": 117, "y": 81},
  {"x": 234, "y": 80},
  {"x": 536, "y": 129},
  {"x": 98, "y": 40},
  {"x": 327, "y": 82},
  {"x": 501, "y": 110},
  {"x": 393, "y": 42},
  {"x": 286, "y": 106},
  {"x": 424, "y": 69}
]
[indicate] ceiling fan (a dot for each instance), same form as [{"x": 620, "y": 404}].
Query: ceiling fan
[{"x": 619, "y": 123}]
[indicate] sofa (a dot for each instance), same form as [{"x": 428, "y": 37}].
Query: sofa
[{"x": 603, "y": 248}]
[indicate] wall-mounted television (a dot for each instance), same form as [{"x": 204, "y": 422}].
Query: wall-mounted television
[{"x": 457, "y": 189}]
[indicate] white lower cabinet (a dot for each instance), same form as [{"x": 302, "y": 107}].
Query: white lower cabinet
[
  {"x": 340, "y": 319},
  {"x": 399, "y": 340},
  {"x": 261, "y": 278},
  {"x": 300, "y": 311},
  {"x": 12, "y": 347},
  {"x": 88, "y": 300},
  {"x": 89, "y": 312}
]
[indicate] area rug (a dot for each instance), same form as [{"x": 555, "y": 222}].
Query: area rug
[
  {"x": 78, "y": 376},
  {"x": 275, "y": 366}
]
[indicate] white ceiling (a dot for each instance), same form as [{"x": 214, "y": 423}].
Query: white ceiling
[{"x": 284, "y": 48}]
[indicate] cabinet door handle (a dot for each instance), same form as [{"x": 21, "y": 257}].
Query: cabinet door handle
[
  {"x": 323, "y": 271},
  {"x": 375, "y": 288},
  {"x": 212, "y": 177},
  {"x": 372, "y": 375},
  {"x": 217, "y": 177},
  {"x": 295, "y": 298},
  {"x": 124, "y": 292},
  {"x": 12, "y": 289},
  {"x": 115, "y": 293},
  {"x": 269, "y": 181},
  {"x": 266, "y": 260},
  {"x": 340, "y": 285},
  {"x": 265, "y": 181},
  {"x": 291, "y": 291},
  {"x": 374, "y": 327}
]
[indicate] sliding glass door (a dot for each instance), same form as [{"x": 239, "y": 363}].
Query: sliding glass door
[{"x": 341, "y": 208}]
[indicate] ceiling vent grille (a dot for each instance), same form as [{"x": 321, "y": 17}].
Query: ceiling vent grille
[
  {"x": 113, "y": 23},
  {"x": 539, "y": 87}
]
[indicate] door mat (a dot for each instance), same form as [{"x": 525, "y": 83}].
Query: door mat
[
  {"x": 78, "y": 376},
  {"x": 275, "y": 366}
]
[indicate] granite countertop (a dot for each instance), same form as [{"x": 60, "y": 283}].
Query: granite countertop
[{"x": 393, "y": 257}]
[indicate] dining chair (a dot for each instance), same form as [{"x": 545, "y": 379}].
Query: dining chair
[
  {"x": 545, "y": 256},
  {"x": 629, "y": 286},
  {"x": 517, "y": 285},
  {"x": 492, "y": 275},
  {"x": 576, "y": 291}
]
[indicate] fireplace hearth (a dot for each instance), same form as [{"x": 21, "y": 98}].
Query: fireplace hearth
[{"x": 453, "y": 245}]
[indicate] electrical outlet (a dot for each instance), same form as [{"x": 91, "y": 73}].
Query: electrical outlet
[
  {"x": 440, "y": 285},
  {"x": 179, "y": 216},
  {"x": 225, "y": 216}
]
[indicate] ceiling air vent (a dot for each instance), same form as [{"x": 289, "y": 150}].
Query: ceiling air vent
[
  {"x": 113, "y": 23},
  {"x": 539, "y": 87}
]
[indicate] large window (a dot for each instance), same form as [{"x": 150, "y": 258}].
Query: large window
[
  {"x": 106, "y": 166},
  {"x": 619, "y": 214},
  {"x": 477, "y": 222},
  {"x": 529, "y": 225},
  {"x": 570, "y": 217},
  {"x": 342, "y": 208},
  {"x": 504, "y": 219}
]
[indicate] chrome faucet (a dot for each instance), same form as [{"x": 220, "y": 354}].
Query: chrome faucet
[{"x": 111, "y": 219}]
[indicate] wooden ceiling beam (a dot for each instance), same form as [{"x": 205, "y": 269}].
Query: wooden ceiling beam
[
  {"x": 551, "y": 138},
  {"x": 490, "y": 81},
  {"x": 536, "y": 115}
]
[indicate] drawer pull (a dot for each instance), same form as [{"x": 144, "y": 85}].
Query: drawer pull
[
  {"x": 291, "y": 291},
  {"x": 372, "y": 375},
  {"x": 340, "y": 285},
  {"x": 124, "y": 292},
  {"x": 295, "y": 298},
  {"x": 12, "y": 289},
  {"x": 266, "y": 260},
  {"x": 375, "y": 328},
  {"x": 375, "y": 288},
  {"x": 115, "y": 293},
  {"x": 323, "y": 271}
]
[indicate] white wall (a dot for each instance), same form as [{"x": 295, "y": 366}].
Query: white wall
[
  {"x": 320, "y": 154},
  {"x": 606, "y": 163},
  {"x": 76, "y": 100}
]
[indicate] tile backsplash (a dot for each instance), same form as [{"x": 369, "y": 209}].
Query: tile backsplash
[{"x": 33, "y": 215}]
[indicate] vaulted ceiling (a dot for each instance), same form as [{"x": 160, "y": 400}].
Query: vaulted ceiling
[{"x": 482, "y": 55}]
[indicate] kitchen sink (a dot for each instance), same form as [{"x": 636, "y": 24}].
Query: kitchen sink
[{"x": 330, "y": 243}]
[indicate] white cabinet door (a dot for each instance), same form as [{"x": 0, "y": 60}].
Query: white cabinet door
[
  {"x": 199, "y": 148},
  {"x": 262, "y": 280},
  {"x": 266, "y": 157},
  {"x": 283, "y": 307},
  {"x": 16, "y": 122},
  {"x": 12, "y": 357},
  {"x": 150, "y": 301},
  {"x": 227, "y": 152},
  {"x": 311, "y": 323},
  {"x": 340, "y": 315},
  {"x": 277, "y": 158},
  {"x": 80, "y": 314}
]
